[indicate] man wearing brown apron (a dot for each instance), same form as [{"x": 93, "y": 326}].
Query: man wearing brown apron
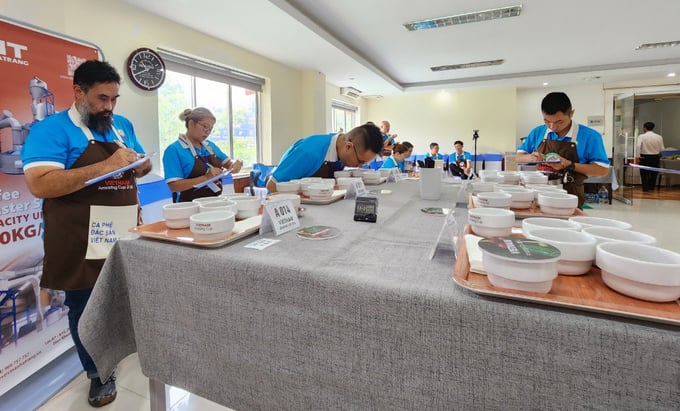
[
  {"x": 321, "y": 155},
  {"x": 82, "y": 222},
  {"x": 578, "y": 150}
]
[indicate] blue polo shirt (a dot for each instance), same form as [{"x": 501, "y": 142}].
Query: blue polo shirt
[
  {"x": 178, "y": 160},
  {"x": 437, "y": 156},
  {"x": 304, "y": 158},
  {"x": 589, "y": 144},
  {"x": 456, "y": 158},
  {"x": 56, "y": 141},
  {"x": 389, "y": 163}
]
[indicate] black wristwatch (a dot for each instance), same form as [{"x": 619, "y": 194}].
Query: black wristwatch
[{"x": 570, "y": 168}]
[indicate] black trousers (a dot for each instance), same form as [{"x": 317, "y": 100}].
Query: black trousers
[{"x": 649, "y": 177}]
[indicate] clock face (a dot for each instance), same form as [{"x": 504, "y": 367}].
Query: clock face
[{"x": 146, "y": 69}]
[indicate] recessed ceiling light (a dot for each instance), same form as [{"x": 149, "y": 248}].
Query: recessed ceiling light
[
  {"x": 468, "y": 65},
  {"x": 671, "y": 74},
  {"x": 545, "y": 83},
  {"x": 647, "y": 46},
  {"x": 472, "y": 17}
]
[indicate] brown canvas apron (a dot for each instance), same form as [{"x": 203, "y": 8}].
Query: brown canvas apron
[
  {"x": 573, "y": 181},
  {"x": 200, "y": 169},
  {"x": 74, "y": 223},
  {"x": 327, "y": 169}
]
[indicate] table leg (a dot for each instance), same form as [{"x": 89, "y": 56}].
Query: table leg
[{"x": 158, "y": 396}]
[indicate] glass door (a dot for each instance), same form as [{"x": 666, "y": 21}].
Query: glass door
[{"x": 624, "y": 146}]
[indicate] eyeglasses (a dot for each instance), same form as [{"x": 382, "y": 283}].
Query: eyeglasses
[
  {"x": 207, "y": 128},
  {"x": 360, "y": 162}
]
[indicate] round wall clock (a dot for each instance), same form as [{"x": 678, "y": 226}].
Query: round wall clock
[{"x": 146, "y": 69}]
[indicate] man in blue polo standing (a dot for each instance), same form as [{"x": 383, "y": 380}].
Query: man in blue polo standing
[
  {"x": 575, "y": 151},
  {"x": 323, "y": 154}
]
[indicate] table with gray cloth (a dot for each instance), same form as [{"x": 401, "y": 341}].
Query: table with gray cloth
[{"x": 363, "y": 321}]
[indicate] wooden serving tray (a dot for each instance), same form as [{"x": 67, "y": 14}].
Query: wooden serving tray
[
  {"x": 160, "y": 231},
  {"x": 535, "y": 211},
  {"x": 585, "y": 292}
]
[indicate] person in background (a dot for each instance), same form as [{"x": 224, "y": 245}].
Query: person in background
[
  {"x": 193, "y": 159},
  {"x": 399, "y": 153},
  {"x": 434, "y": 152},
  {"x": 388, "y": 139},
  {"x": 460, "y": 162},
  {"x": 578, "y": 151},
  {"x": 63, "y": 152},
  {"x": 323, "y": 154},
  {"x": 650, "y": 146}
]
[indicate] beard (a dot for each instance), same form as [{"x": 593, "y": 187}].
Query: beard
[{"x": 100, "y": 122}]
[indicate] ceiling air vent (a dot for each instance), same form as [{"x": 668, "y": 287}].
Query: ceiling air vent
[
  {"x": 468, "y": 65},
  {"x": 350, "y": 92},
  {"x": 472, "y": 17}
]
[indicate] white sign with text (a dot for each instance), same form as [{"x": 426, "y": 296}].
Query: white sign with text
[
  {"x": 356, "y": 189},
  {"x": 279, "y": 217}
]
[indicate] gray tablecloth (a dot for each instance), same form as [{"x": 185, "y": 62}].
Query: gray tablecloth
[{"x": 363, "y": 321}]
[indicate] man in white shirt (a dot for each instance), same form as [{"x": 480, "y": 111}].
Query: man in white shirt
[{"x": 650, "y": 146}]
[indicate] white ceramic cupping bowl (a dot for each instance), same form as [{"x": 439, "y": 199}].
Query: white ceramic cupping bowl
[
  {"x": 293, "y": 198},
  {"x": 480, "y": 187},
  {"x": 247, "y": 206},
  {"x": 342, "y": 174},
  {"x": 607, "y": 234},
  {"x": 494, "y": 199},
  {"x": 526, "y": 275},
  {"x": 510, "y": 177},
  {"x": 219, "y": 204},
  {"x": 534, "y": 178},
  {"x": 577, "y": 248},
  {"x": 533, "y": 223},
  {"x": 521, "y": 197},
  {"x": 639, "y": 270},
  {"x": 385, "y": 172},
  {"x": 287, "y": 187},
  {"x": 344, "y": 182},
  {"x": 212, "y": 225},
  {"x": 491, "y": 222},
  {"x": 177, "y": 215},
  {"x": 320, "y": 191},
  {"x": 600, "y": 222},
  {"x": 202, "y": 200},
  {"x": 557, "y": 203}
]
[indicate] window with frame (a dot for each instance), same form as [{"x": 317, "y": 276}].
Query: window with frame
[
  {"x": 232, "y": 97},
  {"x": 343, "y": 117}
]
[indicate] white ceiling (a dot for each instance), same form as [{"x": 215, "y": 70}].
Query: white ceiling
[{"x": 362, "y": 43}]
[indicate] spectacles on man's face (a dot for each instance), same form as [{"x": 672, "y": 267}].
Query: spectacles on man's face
[
  {"x": 206, "y": 127},
  {"x": 360, "y": 162}
]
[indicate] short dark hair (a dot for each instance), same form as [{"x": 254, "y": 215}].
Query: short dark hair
[
  {"x": 407, "y": 144},
  {"x": 433, "y": 145},
  {"x": 367, "y": 136},
  {"x": 648, "y": 125},
  {"x": 554, "y": 102},
  {"x": 94, "y": 71},
  {"x": 458, "y": 142}
]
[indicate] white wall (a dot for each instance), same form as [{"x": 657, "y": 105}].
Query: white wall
[
  {"x": 118, "y": 29},
  {"x": 447, "y": 116}
]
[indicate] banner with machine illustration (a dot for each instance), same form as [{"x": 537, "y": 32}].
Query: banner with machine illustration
[{"x": 36, "y": 82}]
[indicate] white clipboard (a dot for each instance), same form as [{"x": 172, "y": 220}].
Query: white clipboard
[
  {"x": 212, "y": 180},
  {"x": 142, "y": 160}
]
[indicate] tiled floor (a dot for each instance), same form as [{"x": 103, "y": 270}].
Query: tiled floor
[{"x": 659, "y": 218}]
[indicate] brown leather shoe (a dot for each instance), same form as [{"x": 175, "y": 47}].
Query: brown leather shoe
[{"x": 102, "y": 393}]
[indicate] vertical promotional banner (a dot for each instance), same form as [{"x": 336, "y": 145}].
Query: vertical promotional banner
[{"x": 37, "y": 81}]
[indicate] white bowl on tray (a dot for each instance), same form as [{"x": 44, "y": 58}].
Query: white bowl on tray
[
  {"x": 640, "y": 271},
  {"x": 219, "y": 204},
  {"x": 519, "y": 264},
  {"x": 510, "y": 177},
  {"x": 607, "y": 234},
  {"x": 247, "y": 206},
  {"x": 492, "y": 199},
  {"x": 288, "y": 187},
  {"x": 342, "y": 174},
  {"x": 534, "y": 179},
  {"x": 533, "y": 223},
  {"x": 212, "y": 225},
  {"x": 320, "y": 191},
  {"x": 177, "y": 215},
  {"x": 202, "y": 200},
  {"x": 491, "y": 222},
  {"x": 557, "y": 203},
  {"x": 344, "y": 182},
  {"x": 600, "y": 222},
  {"x": 521, "y": 197},
  {"x": 576, "y": 247}
]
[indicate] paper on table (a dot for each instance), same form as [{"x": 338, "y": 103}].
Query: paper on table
[
  {"x": 212, "y": 180},
  {"x": 137, "y": 163},
  {"x": 474, "y": 253}
]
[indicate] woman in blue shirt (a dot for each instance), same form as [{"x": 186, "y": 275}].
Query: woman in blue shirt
[{"x": 399, "y": 153}]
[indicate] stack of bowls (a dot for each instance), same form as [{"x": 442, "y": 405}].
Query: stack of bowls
[
  {"x": 576, "y": 247},
  {"x": 600, "y": 222},
  {"x": 246, "y": 206},
  {"x": 521, "y": 197},
  {"x": 212, "y": 225},
  {"x": 639, "y": 270},
  {"x": 491, "y": 222},
  {"x": 557, "y": 203},
  {"x": 493, "y": 199},
  {"x": 519, "y": 264},
  {"x": 177, "y": 215}
]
